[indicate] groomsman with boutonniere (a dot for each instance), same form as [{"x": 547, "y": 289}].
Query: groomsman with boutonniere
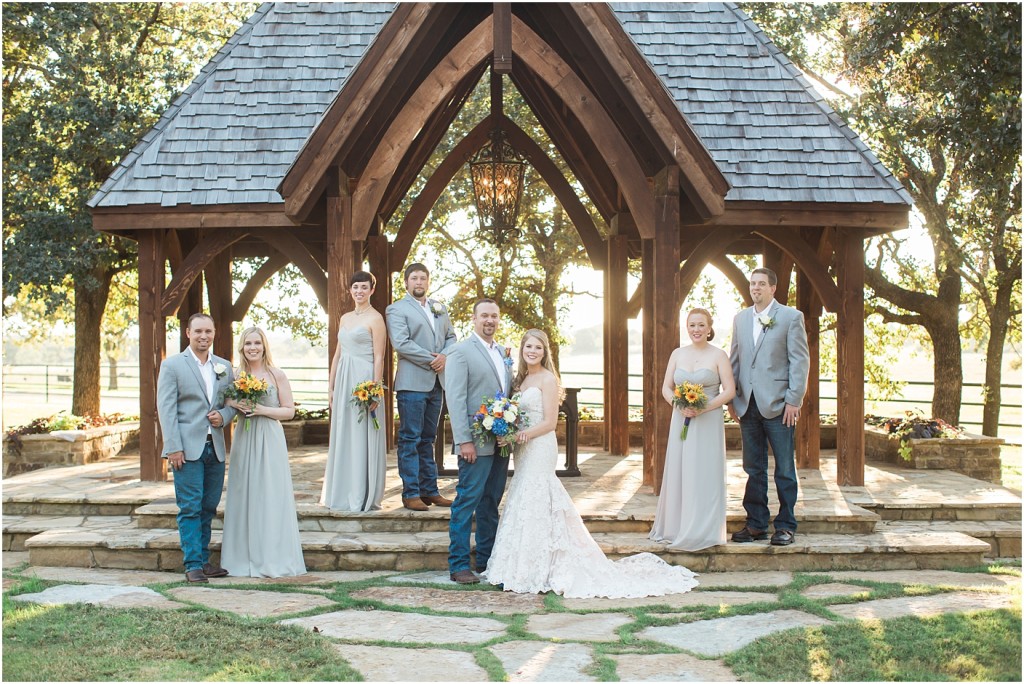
[
  {"x": 770, "y": 362},
  {"x": 421, "y": 333},
  {"x": 190, "y": 404}
]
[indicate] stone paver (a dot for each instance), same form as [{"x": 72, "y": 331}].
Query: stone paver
[
  {"x": 929, "y": 577},
  {"x": 383, "y": 664},
  {"x": 570, "y": 627},
  {"x": 833, "y": 589},
  {"x": 923, "y": 606},
  {"x": 670, "y": 667},
  {"x": 9, "y": 582},
  {"x": 100, "y": 594},
  {"x": 428, "y": 577},
  {"x": 534, "y": 661},
  {"x": 251, "y": 602},
  {"x": 13, "y": 559},
  {"x": 500, "y": 602},
  {"x": 777, "y": 578},
  {"x": 724, "y": 635},
  {"x": 409, "y": 628},
  {"x": 131, "y": 578},
  {"x": 693, "y": 598}
]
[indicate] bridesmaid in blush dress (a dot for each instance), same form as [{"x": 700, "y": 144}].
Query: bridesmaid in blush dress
[
  {"x": 354, "y": 479},
  {"x": 691, "y": 508},
  {"x": 261, "y": 530}
]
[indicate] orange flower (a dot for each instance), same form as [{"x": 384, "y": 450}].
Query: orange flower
[
  {"x": 362, "y": 395},
  {"x": 691, "y": 396}
]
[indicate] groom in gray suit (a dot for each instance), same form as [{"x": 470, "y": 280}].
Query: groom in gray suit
[
  {"x": 770, "y": 362},
  {"x": 192, "y": 414},
  {"x": 477, "y": 369},
  {"x": 421, "y": 334}
]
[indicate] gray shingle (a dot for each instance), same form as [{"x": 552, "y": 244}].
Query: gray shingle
[{"x": 232, "y": 135}]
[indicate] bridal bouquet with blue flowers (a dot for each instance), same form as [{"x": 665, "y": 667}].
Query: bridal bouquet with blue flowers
[{"x": 500, "y": 416}]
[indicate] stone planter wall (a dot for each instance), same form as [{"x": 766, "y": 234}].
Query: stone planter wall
[
  {"x": 316, "y": 431},
  {"x": 84, "y": 446},
  {"x": 976, "y": 456},
  {"x": 293, "y": 432}
]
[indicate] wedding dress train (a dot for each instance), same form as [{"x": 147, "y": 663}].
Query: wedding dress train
[{"x": 542, "y": 544}]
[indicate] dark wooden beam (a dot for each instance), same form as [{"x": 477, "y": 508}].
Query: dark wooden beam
[
  {"x": 708, "y": 249},
  {"x": 208, "y": 247},
  {"x": 809, "y": 262},
  {"x": 502, "y": 38},
  {"x": 300, "y": 256},
  {"x": 379, "y": 257},
  {"x": 152, "y": 331},
  {"x": 808, "y": 428},
  {"x": 850, "y": 359},
  {"x": 154, "y": 217},
  {"x": 877, "y": 219},
  {"x": 340, "y": 255},
  {"x": 218, "y": 292},
  {"x": 265, "y": 272},
  {"x": 616, "y": 382},
  {"x": 738, "y": 278}
]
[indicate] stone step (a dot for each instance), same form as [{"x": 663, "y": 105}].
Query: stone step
[
  {"x": 315, "y": 518},
  {"x": 949, "y": 510},
  {"x": 1002, "y": 536},
  {"x": 132, "y": 547}
]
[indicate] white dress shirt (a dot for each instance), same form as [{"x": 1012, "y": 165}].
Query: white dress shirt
[
  {"x": 206, "y": 370},
  {"x": 496, "y": 358},
  {"x": 758, "y": 329}
]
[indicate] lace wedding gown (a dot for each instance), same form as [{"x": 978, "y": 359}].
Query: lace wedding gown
[{"x": 542, "y": 544}]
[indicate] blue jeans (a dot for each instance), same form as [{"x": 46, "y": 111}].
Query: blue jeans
[
  {"x": 758, "y": 432},
  {"x": 418, "y": 414},
  {"x": 197, "y": 488},
  {"x": 481, "y": 486}
]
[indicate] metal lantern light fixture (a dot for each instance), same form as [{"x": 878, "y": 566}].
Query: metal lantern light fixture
[{"x": 498, "y": 171}]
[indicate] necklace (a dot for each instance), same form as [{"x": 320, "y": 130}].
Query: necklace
[{"x": 357, "y": 312}]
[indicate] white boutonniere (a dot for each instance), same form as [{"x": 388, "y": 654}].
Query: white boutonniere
[
  {"x": 766, "y": 321},
  {"x": 219, "y": 369},
  {"x": 437, "y": 308}
]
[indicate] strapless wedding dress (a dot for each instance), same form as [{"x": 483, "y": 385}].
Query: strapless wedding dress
[{"x": 542, "y": 544}]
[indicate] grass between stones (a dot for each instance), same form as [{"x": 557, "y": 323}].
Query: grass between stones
[{"x": 82, "y": 642}]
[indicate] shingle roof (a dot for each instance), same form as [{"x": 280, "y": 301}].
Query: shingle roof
[{"x": 233, "y": 133}]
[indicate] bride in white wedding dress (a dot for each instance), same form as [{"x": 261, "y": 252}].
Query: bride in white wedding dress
[{"x": 542, "y": 544}]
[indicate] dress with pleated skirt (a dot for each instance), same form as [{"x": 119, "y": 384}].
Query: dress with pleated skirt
[
  {"x": 356, "y": 465},
  {"x": 691, "y": 507},
  {"x": 261, "y": 529}
]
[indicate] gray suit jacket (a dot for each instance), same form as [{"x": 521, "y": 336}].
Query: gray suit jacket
[
  {"x": 774, "y": 372},
  {"x": 182, "y": 405},
  {"x": 471, "y": 377},
  {"x": 416, "y": 340}
]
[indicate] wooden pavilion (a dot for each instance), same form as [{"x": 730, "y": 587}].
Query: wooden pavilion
[{"x": 693, "y": 136}]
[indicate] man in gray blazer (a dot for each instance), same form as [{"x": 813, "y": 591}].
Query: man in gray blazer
[
  {"x": 192, "y": 414},
  {"x": 477, "y": 369},
  {"x": 770, "y": 362},
  {"x": 421, "y": 334}
]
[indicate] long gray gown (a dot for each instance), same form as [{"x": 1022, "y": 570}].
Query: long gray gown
[
  {"x": 354, "y": 480},
  {"x": 691, "y": 508},
  {"x": 261, "y": 530}
]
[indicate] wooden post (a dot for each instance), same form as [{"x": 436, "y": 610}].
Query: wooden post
[
  {"x": 850, "y": 359},
  {"x": 379, "y": 249},
  {"x": 808, "y": 430},
  {"x": 340, "y": 254},
  {"x": 152, "y": 468},
  {"x": 652, "y": 383},
  {"x": 616, "y": 351},
  {"x": 219, "y": 294},
  {"x": 665, "y": 278},
  {"x": 502, "y": 63},
  {"x": 194, "y": 299}
]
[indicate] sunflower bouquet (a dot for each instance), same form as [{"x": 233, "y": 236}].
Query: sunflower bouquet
[
  {"x": 689, "y": 395},
  {"x": 365, "y": 395},
  {"x": 247, "y": 389}
]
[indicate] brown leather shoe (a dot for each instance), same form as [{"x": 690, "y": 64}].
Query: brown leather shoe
[
  {"x": 437, "y": 500},
  {"x": 214, "y": 571},
  {"x": 196, "y": 576},
  {"x": 465, "y": 577},
  {"x": 414, "y": 504}
]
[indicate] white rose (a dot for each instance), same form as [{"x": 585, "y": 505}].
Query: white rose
[
  {"x": 219, "y": 368},
  {"x": 511, "y": 414},
  {"x": 488, "y": 422},
  {"x": 497, "y": 407}
]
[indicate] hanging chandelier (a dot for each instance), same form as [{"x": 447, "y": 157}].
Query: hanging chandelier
[{"x": 497, "y": 171}]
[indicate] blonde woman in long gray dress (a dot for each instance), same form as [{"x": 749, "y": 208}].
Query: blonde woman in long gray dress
[
  {"x": 691, "y": 508},
  {"x": 261, "y": 530},
  {"x": 354, "y": 479}
]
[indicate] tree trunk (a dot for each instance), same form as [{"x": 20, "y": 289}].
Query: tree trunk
[
  {"x": 112, "y": 382},
  {"x": 999, "y": 318},
  {"x": 948, "y": 369},
  {"x": 89, "y": 306}
]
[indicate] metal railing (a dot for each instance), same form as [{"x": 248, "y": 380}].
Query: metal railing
[{"x": 53, "y": 382}]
